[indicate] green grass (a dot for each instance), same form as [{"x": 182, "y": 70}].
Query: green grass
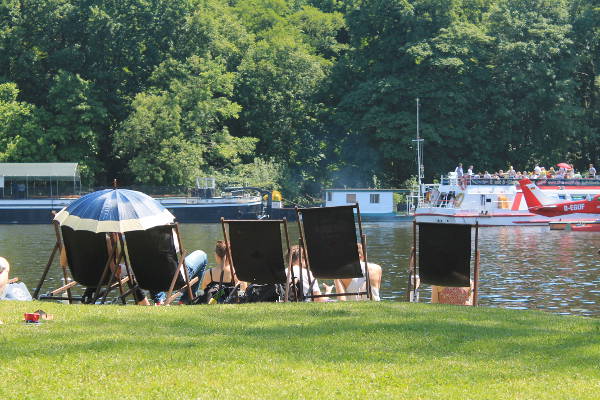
[{"x": 288, "y": 351}]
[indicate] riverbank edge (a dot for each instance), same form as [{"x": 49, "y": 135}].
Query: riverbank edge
[{"x": 387, "y": 349}]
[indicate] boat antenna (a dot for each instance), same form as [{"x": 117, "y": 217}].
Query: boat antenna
[{"x": 420, "y": 167}]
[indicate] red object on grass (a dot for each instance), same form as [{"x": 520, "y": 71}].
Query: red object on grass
[
  {"x": 32, "y": 317},
  {"x": 564, "y": 165}
]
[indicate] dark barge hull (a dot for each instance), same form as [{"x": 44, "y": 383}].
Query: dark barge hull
[
  {"x": 183, "y": 214},
  {"x": 27, "y": 215},
  {"x": 213, "y": 214}
]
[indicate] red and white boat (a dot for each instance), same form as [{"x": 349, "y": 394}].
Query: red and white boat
[{"x": 499, "y": 202}]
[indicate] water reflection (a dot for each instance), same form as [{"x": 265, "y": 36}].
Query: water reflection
[{"x": 521, "y": 267}]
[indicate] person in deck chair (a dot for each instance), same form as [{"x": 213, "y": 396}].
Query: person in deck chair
[
  {"x": 307, "y": 277},
  {"x": 222, "y": 267},
  {"x": 462, "y": 296},
  {"x": 360, "y": 284}
]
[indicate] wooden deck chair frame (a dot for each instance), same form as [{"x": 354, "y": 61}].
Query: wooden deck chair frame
[
  {"x": 226, "y": 236},
  {"x": 304, "y": 253},
  {"x": 68, "y": 280},
  {"x": 115, "y": 259},
  {"x": 413, "y": 270},
  {"x": 171, "y": 293}
]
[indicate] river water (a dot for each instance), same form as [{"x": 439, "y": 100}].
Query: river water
[{"x": 521, "y": 267}]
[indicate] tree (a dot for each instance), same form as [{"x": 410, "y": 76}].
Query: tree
[
  {"x": 277, "y": 81},
  {"x": 19, "y": 127},
  {"x": 177, "y": 134}
]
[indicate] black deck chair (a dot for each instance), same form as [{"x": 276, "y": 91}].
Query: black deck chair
[
  {"x": 255, "y": 251},
  {"x": 443, "y": 256},
  {"x": 329, "y": 242},
  {"x": 155, "y": 263},
  {"x": 90, "y": 256}
]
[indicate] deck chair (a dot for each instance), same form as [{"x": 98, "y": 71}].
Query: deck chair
[
  {"x": 329, "y": 242},
  {"x": 255, "y": 251},
  {"x": 155, "y": 262},
  {"x": 443, "y": 257},
  {"x": 90, "y": 257}
]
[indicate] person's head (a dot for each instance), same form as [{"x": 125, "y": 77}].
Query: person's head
[
  {"x": 294, "y": 252},
  {"x": 460, "y": 164},
  {"x": 220, "y": 251},
  {"x": 591, "y": 165},
  {"x": 470, "y": 167}
]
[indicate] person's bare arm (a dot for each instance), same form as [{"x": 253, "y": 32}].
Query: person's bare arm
[
  {"x": 339, "y": 288},
  {"x": 375, "y": 275}
]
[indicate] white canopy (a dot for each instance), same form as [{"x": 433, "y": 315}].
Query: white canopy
[{"x": 66, "y": 171}]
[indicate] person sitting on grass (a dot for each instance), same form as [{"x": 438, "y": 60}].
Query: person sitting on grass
[
  {"x": 360, "y": 284},
  {"x": 462, "y": 296},
  {"x": 307, "y": 277},
  {"x": 4, "y": 270},
  {"x": 11, "y": 291}
]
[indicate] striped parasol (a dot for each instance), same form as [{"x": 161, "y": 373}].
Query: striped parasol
[{"x": 114, "y": 210}]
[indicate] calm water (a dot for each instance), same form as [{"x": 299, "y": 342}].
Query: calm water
[{"x": 521, "y": 267}]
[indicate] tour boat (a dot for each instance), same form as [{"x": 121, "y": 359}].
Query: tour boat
[{"x": 498, "y": 202}]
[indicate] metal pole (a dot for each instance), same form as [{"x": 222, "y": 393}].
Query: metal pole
[
  {"x": 476, "y": 272},
  {"x": 418, "y": 150},
  {"x": 419, "y": 143}
]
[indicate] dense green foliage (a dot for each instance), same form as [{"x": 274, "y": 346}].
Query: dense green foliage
[
  {"x": 385, "y": 350},
  {"x": 313, "y": 92}
]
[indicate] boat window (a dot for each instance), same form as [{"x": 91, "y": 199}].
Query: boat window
[
  {"x": 374, "y": 198},
  {"x": 351, "y": 198},
  {"x": 329, "y": 196},
  {"x": 562, "y": 196}
]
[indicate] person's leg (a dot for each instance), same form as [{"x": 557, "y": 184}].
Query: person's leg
[{"x": 196, "y": 265}]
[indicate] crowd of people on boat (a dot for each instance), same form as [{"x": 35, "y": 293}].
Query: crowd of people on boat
[{"x": 562, "y": 171}]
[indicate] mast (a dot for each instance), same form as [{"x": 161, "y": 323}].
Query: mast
[{"x": 420, "y": 168}]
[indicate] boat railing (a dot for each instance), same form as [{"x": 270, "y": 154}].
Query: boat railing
[{"x": 467, "y": 180}]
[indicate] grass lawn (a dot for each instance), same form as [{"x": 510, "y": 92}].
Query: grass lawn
[{"x": 287, "y": 351}]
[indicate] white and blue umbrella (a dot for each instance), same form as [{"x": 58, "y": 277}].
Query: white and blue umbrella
[{"x": 114, "y": 210}]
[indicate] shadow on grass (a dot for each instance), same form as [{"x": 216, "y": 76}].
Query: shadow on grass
[{"x": 339, "y": 333}]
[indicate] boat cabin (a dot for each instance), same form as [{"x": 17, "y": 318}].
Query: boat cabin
[
  {"x": 24, "y": 181},
  {"x": 371, "y": 201}
]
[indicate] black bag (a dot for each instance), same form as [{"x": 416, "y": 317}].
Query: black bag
[
  {"x": 295, "y": 293},
  {"x": 222, "y": 293},
  {"x": 264, "y": 293}
]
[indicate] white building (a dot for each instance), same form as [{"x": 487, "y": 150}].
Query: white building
[{"x": 378, "y": 203}]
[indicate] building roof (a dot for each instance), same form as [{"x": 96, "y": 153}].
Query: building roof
[
  {"x": 45, "y": 170},
  {"x": 368, "y": 190}
]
